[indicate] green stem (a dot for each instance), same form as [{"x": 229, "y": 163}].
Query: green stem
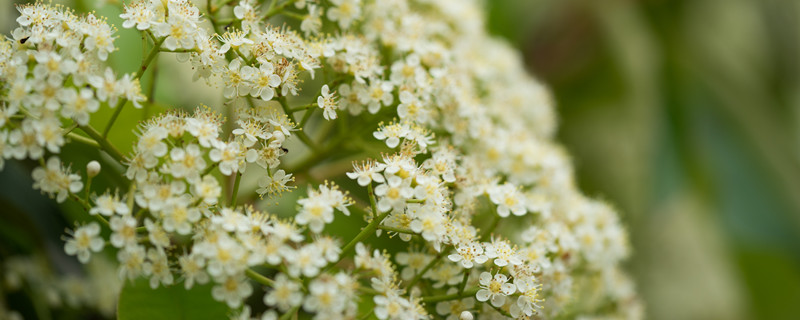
[
  {"x": 235, "y": 192},
  {"x": 121, "y": 103},
  {"x": 486, "y": 234},
  {"x": 300, "y": 133},
  {"x": 87, "y": 207},
  {"x": 369, "y": 229},
  {"x": 259, "y": 278},
  {"x": 81, "y": 139},
  {"x": 366, "y": 316},
  {"x": 503, "y": 312},
  {"x": 398, "y": 230},
  {"x": 448, "y": 297},
  {"x": 290, "y": 313},
  {"x": 424, "y": 270},
  {"x": 275, "y": 9},
  {"x": 306, "y": 116},
  {"x": 104, "y": 144},
  {"x": 372, "y": 202},
  {"x": 303, "y": 107},
  {"x": 69, "y": 129},
  {"x": 464, "y": 280}
]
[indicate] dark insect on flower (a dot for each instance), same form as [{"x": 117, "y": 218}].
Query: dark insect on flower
[
  {"x": 23, "y": 40},
  {"x": 285, "y": 150}
]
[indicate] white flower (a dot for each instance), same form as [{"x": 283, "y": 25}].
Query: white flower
[
  {"x": 312, "y": 22},
  {"x": 345, "y": 11},
  {"x": 232, "y": 290},
  {"x": 233, "y": 40},
  {"x": 415, "y": 261},
  {"x": 124, "y": 231},
  {"x": 454, "y": 309},
  {"x": 394, "y": 193},
  {"x": 315, "y": 212},
  {"x": 106, "y": 87},
  {"x": 377, "y": 94},
  {"x": 132, "y": 262},
  {"x": 285, "y": 293},
  {"x": 78, "y": 106},
  {"x": 328, "y": 103},
  {"x": 466, "y": 253},
  {"x": 208, "y": 189},
  {"x": 192, "y": 270},
  {"x": 230, "y": 157},
  {"x": 275, "y": 184},
  {"x": 529, "y": 301},
  {"x": 391, "y": 306},
  {"x": 495, "y": 288},
  {"x": 237, "y": 78},
  {"x": 108, "y": 204},
  {"x": 139, "y": 15},
  {"x": 130, "y": 88},
  {"x": 178, "y": 31},
  {"x": 503, "y": 253},
  {"x": 56, "y": 180},
  {"x": 307, "y": 261},
  {"x": 265, "y": 81},
  {"x": 508, "y": 200},
  {"x": 158, "y": 268},
  {"x": 186, "y": 162},
  {"x": 367, "y": 172},
  {"x": 85, "y": 240},
  {"x": 392, "y": 133}
]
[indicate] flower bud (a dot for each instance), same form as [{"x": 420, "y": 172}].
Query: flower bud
[
  {"x": 465, "y": 315},
  {"x": 92, "y": 168}
]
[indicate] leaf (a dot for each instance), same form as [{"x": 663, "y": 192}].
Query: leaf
[{"x": 138, "y": 301}]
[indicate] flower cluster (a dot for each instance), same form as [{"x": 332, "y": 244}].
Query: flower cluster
[{"x": 453, "y": 142}]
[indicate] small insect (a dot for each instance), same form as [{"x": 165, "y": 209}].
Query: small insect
[
  {"x": 285, "y": 150},
  {"x": 23, "y": 40}
]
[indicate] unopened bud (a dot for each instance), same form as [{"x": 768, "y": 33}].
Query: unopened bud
[
  {"x": 92, "y": 168},
  {"x": 466, "y": 315}
]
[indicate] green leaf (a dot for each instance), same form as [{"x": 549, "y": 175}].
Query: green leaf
[{"x": 138, "y": 301}]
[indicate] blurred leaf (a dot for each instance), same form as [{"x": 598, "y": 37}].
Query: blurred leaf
[{"x": 138, "y": 301}]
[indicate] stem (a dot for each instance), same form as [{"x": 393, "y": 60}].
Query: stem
[
  {"x": 88, "y": 206},
  {"x": 503, "y": 312},
  {"x": 235, "y": 192},
  {"x": 486, "y": 234},
  {"x": 208, "y": 170},
  {"x": 138, "y": 75},
  {"x": 372, "y": 202},
  {"x": 290, "y": 313},
  {"x": 69, "y": 129},
  {"x": 448, "y": 297},
  {"x": 300, "y": 133},
  {"x": 104, "y": 144},
  {"x": 84, "y": 140},
  {"x": 301, "y": 108},
  {"x": 398, "y": 230},
  {"x": 273, "y": 9},
  {"x": 464, "y": 280},
  {"x": 366, "y": 316},
  {"x": 88, "y": 189},
  {"x": 369, "y": 229},
  {"x": 259, "y": 278},
  {"x": 306, "y": 116},
  {"x": 426, "y": 268}
]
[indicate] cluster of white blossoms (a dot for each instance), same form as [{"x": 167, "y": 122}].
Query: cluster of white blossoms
[{"x": 457, "y": 164}]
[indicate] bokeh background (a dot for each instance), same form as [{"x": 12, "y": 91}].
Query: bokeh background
[{"x": 685, "y": 114}]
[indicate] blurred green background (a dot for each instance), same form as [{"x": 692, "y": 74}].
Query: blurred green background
[{"x": 683, "y": 113}]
